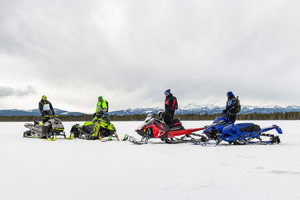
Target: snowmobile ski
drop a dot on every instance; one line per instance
(70, 137)
(51, 139)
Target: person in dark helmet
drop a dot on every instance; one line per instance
(232, 107)
(171, 105)
(101, 108)
(46, 109)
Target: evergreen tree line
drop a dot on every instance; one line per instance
(141, 117)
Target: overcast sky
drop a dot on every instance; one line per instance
(131, 51)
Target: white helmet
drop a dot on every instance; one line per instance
(161, 114)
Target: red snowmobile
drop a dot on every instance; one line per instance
(172, 134)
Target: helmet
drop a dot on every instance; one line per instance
(44, 97)
(168, 92)
(230, 94)
(100, 98)
(161, 114)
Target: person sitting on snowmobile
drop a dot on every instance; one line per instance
(46, 109)
(101, 108)
(171, 105)
(232, 107)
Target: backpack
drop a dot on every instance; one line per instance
(107, 105)
(238, 103)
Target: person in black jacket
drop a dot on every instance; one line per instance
(232, 107)
(170, 106)
(46, 109)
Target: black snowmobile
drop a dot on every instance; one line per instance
(48, 130)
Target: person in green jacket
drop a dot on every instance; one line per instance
(101, 108)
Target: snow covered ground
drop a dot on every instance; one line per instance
(35, 169)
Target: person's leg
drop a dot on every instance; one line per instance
(232, 118)
(168, 118)
(172, 115)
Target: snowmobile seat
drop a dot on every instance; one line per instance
(176, 125)
(247, 127)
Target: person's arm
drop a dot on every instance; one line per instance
(41, 108)
(234, 106)
(104, 106)
(51, 108)
(96, 109)
(171, 101)
(226, 108)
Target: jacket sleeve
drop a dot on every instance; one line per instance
(96, 108)
(104, 106)
(41, 107)
(233, 107)
(227, 108)
(51, 107)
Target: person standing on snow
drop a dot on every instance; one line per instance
(171, 105)
(101, 108)
(232, 107)
(46, 109)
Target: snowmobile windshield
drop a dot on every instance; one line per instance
(146, 123)
(220, 120)
(148, 118)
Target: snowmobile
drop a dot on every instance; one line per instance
(101, 129)
(52, 128)
(223, 129)
(171, 134)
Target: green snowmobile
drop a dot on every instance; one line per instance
(99, 129)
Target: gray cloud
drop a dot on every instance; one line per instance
(131, 51)
(12, 92)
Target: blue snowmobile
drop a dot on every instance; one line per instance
(243, 133)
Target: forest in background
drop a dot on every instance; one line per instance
(141, 117)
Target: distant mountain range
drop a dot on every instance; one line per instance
(188, 109)
(34, 112)
(210, 109)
